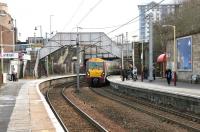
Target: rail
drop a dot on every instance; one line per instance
(54, 82)
(90, 119)
(152, 112)
(55, 113)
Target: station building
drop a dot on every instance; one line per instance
(8, 37)
(7, 29)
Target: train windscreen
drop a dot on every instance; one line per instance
(96, 65)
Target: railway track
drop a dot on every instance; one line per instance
(187, 121)
(70, 116)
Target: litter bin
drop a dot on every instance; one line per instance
(4, 77)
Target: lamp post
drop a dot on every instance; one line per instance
(49, 50)
(78, 60)
(50, 25)
(122, 57)
(40, 29)
(122, 52)
(175, 64)
(127, 48)
(37, 52)
(142, 63)
(133, 53)
(150, 78)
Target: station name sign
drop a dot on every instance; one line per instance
(11, 55)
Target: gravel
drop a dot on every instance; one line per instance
(117, 117)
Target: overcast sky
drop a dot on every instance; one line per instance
(68, 14)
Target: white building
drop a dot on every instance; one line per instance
(157, 11)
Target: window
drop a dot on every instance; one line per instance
(2, 12)
(96, 65)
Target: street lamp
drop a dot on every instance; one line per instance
(40, 29)
(175, 67)
(50, 25)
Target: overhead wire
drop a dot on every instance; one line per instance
(128, 22)
(102, 27)
(74, 14)
(120, 26)
(91, 9)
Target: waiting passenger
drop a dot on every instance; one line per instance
(168, 75)
(134, 72)
(13, 75)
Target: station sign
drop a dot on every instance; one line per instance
(8, 55)
(12, 55)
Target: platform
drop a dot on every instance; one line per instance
(23, 108)
(160, 84)
(184, 97)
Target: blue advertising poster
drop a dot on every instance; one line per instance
(184, 51)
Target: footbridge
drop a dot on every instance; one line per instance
(94, 44)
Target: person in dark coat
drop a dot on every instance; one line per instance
(145, 73)
(123, 74)
(168, 75)
(154, 72)
(13, 75)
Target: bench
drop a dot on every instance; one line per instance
(195, 78)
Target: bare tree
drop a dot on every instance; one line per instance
(186, 18)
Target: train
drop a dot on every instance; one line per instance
(98, 69)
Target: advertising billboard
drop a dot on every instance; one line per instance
(184, 54)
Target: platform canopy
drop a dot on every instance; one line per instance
(161, 58)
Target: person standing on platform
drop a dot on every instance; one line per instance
(134, 72)
(168, 75)
(145, 72)
(123, 74)
(154, 72)
(13, 74)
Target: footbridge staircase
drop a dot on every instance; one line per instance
(61, 48)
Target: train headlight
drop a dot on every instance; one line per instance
(102, 74)
(88, 73)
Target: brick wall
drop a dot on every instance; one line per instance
(7, 39)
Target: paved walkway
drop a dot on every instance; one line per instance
(24, 109)
(185, 89)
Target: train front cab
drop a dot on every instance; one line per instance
(96, 76)
(95, 80)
